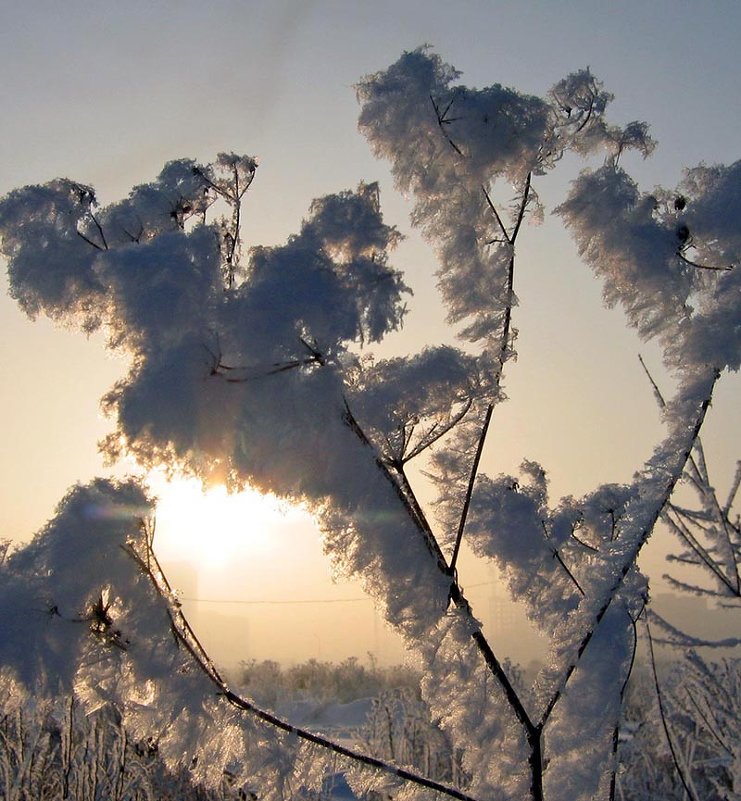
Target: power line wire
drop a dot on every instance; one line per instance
(261, 601)
(254, 602)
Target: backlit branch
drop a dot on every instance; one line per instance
(185, 635)
(630, 557)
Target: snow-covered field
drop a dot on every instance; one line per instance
(341, 722)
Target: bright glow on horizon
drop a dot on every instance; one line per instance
(211, 526)
(254, 581)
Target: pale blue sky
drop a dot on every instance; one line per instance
(106, 93)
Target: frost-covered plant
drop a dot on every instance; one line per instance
(244, 371)
(51, 749)
(399, 729)
(683, 743)
(703, 715)
(709, 532)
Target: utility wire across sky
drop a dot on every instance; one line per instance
(251, 602)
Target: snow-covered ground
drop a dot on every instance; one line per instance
(334, 719)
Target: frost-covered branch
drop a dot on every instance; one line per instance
(186, 636)
(473, 628)
(713, 539)
(657, 490)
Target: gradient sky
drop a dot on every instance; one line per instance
(107, 93)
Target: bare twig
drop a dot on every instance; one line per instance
(616, 730)
(443, 119)
(582, 543)
(494, 211)
(89, 241)
(469, 488)
(218, 368)
(523, 207)
(441, 432)
(698, 266)
(557, 556)
(100, 230)
(664, 721)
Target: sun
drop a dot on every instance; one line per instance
(210, 527)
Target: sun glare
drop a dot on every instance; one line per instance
(210, 527)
